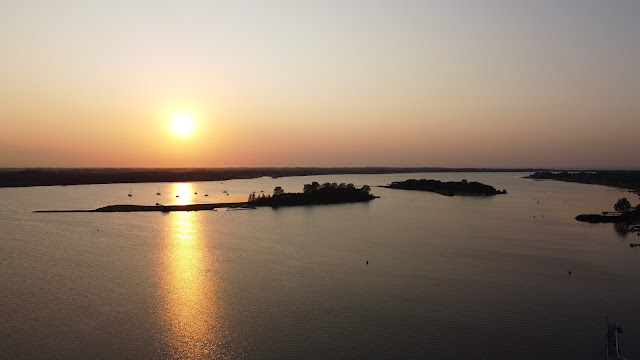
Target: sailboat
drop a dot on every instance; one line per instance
(130, 194)
(158, 193)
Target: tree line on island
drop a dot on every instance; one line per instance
(448, 188)
(313, 194)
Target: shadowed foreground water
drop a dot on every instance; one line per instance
(448, 277)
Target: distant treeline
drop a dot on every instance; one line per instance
(615, 178)
(66, 176)
(314, 194)
(449, 188)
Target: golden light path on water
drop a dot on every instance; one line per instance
(188, 285)
(184, 193)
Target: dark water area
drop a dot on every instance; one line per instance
(447, 277)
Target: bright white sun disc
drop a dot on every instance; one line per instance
(182, 125)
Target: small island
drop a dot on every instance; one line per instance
(313, 194)
(449, 188)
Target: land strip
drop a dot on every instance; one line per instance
(86, 176)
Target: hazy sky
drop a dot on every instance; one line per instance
(320, 83)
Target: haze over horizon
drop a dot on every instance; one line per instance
(496, 84)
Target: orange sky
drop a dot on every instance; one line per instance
(287, 83)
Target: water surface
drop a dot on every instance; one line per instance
(448, 277)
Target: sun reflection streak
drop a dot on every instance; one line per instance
(184, 193)
(188, 289)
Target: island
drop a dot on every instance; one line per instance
(449, 188)
(624, 179)
(313, 194)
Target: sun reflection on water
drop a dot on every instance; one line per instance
(184, 193)
(188, 288)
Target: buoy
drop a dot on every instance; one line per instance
(367, 262)
(569, 272)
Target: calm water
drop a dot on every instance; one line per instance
(448, 277)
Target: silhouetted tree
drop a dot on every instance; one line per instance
(623, 205)
(278, 191)
(366, 188)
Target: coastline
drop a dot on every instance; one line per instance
(89, 176)
(620, 179)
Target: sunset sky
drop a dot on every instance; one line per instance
(320, 83)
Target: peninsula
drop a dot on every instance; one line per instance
(623, 213)
(449, 188)
(313, 194)
(624, 179)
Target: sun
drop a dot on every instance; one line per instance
(183, 125)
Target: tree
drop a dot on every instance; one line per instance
(278, 191)
(366, 188)
(623, 205)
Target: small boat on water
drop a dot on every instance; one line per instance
(130, 194)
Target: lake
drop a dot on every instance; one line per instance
(447, 277)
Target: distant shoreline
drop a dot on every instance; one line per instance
(91, 176)
(621, 179)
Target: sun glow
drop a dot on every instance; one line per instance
(183, 124)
